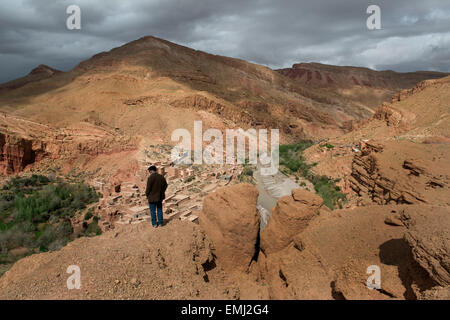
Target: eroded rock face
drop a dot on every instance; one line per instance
(24, 143)
(231, 220)
(402, 173)
(290, 217)
(16, 153)
(390, 116)
(428, 236)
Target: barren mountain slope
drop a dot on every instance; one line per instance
(135, 81)
(361, 86)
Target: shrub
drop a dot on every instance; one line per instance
(93, 228)
(60, 232)
(31, 207)
(88, 214)
(189, 179)
(328, 146)
(330, 194)
(15, 238)
(18, 183)
(291, 157)
(56, 199)
(247, 171)
(57, 244)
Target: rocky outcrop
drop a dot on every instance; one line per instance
(24, 143)
(17, 152)
(231, 220)
(389, 115)
(401, 173)
(428, 236)
(290, 217)
(221, 108)
(329, 259)
(131, 262)
(418, 87)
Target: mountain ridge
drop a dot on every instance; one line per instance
(145, 89)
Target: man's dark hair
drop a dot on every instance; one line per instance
(152, 168)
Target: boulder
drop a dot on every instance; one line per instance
(230, 219)
(290, 216)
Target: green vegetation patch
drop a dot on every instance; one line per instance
(189, 179)
(93, 229)
(246, 175)
(35, 214)
(328, 146)
(293, 162)
(330, 193)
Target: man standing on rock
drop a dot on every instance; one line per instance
(155, 192)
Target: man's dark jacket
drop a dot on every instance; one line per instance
(156, 188)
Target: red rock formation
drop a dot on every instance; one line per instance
(346, 77)
(290, 216)
(329, 258)
(16, 153)
(355, 82)
(402, 172)
(231, 220)
(429, 238)
(24, 143)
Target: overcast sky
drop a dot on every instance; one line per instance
(415, 34)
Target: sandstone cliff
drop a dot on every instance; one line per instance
(16, 153)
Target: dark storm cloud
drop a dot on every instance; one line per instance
(415, 34)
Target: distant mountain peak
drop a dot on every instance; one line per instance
(44, 69)
(39, 73)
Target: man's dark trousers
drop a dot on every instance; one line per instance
(154, 206)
